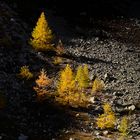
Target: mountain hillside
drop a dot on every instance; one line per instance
(109, 47)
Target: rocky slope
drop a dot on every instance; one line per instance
(111, 50)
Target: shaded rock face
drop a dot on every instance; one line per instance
(102, 7)
(88, 8)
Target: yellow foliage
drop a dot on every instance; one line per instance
(82, 77)
(108, 119)
(86, 72)
(123, 138)
(107, 108)
(60, 48)
(68, 93)
(74, 99)
(57, 60)
(66, 81)
(124, 126)
(43, 81)
(98, 85)
(25, 73)
(42, 35)
(78, 74)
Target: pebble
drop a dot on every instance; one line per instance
(132, 107)
(71, 139)
(138, 105)
(97, 133)
(77, 115)
(12, 19)
(22, 137)
(92, 100)
(105, 132)
(97, 38)
(118, 93)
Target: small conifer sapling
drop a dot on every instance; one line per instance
(107, 119)
(66, 81)
(82, 77)
(25, 73)
(42, 85)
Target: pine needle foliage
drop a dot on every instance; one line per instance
(86, 72)
(124, 126)
(107, 108)
(98, 85)
(25, 73)
(43, 81)
(57, 60)
(82, 77)
(60, 48)
(42, 86)
(108, 119)
(66, 81)
(42, 35)
(74, 99)
(68, 94)
(78, 75)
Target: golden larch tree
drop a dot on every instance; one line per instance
(82, 77)
(124, 126)
(43, 81)
(66, 81)
(107, 119)
(42, 35)
(67, 90)
(86, 74)
(98, 85)
(60, 48)
(25, 73)
(42, 86)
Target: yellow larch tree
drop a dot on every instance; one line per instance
(86, 75)
(42, 85)
(25, 73)
(43, 80)
(60, 48)
(124, 126)
(68, 92)
(107, 119)
(82, 77)
(66, 81)
(98, 85)
(42, 35)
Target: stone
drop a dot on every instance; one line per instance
(77, 115)
(97, 38)
(137, 105)
(22, 137)
(105, 132)
(132, 107)
(71, 139)
(12, 19)
(92, 100)
(117, 93)
(109, 78)
(119, 109)
(97, 133)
